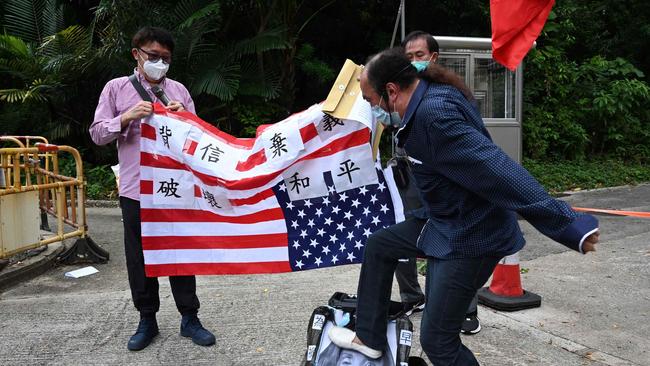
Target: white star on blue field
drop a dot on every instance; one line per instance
(332, 230)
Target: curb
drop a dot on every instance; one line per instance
(604, 189)
(116, 203)
(102, 203)
(31, 267)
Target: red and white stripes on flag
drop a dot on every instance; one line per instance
(207, 198)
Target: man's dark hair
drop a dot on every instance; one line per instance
(392, 66)
(153, 34)
(432, 44)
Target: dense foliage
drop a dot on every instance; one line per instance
(255, 61)
(589, 103)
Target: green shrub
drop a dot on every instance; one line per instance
(596, 107)
(576, 108)
(253, 114)
(100, 180)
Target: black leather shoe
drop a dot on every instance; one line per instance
(147, 330)
(191, 327)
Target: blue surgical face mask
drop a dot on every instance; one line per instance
(420, 65)
(381, 115)
(384, 117)
(395, 119)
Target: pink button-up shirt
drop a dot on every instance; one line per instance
(119, 96)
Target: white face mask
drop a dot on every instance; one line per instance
(155, 70)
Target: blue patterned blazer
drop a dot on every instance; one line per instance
(472, 188)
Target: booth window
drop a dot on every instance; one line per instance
(494, 89)
(456, 63)
(493, 85)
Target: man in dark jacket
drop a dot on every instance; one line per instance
(473, 192)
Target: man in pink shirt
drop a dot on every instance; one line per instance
(117, 117)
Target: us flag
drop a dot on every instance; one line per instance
(332, 230)
(304, 194)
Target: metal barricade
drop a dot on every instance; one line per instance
(32, 181)
(29, 141)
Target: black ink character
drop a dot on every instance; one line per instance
(215, 153)
(297, 183)
(165, 133)
(169, 188)
(330, 122)
(278, 144)
(347, 167)
(210, 198)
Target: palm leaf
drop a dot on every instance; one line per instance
(267, 88)
(254, 83)
(188, 12)
(73, 40)
(271, 39)
(59, 130)
(191, 40)
(11, 46)
(52, 17)
(56, 63)
(12, 95)
(32, 20)
(22, 19)
(221, 81)
(39, 90)
(17, 60)
(20, 68)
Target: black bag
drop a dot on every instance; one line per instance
(341, 311)
(403, 177)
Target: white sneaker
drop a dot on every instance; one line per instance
(343, 338)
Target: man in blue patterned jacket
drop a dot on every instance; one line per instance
(473, 192)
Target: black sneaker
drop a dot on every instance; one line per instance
(413, 307)
(471, 324)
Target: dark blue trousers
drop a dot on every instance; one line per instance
(451, 286)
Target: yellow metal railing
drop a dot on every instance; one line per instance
(28, 168)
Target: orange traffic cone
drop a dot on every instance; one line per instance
(505, 292)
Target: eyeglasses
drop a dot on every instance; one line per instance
(154, 57)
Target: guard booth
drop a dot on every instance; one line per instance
(497, 90)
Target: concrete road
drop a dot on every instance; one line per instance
(595, 308)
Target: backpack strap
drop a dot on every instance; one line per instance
(139, 88)
(404, 334)
(319, 318)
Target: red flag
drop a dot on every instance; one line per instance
(516, 24)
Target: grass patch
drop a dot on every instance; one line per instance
(562, 176)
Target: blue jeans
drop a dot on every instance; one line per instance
(451, 286)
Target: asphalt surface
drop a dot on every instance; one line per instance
(595, 308)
